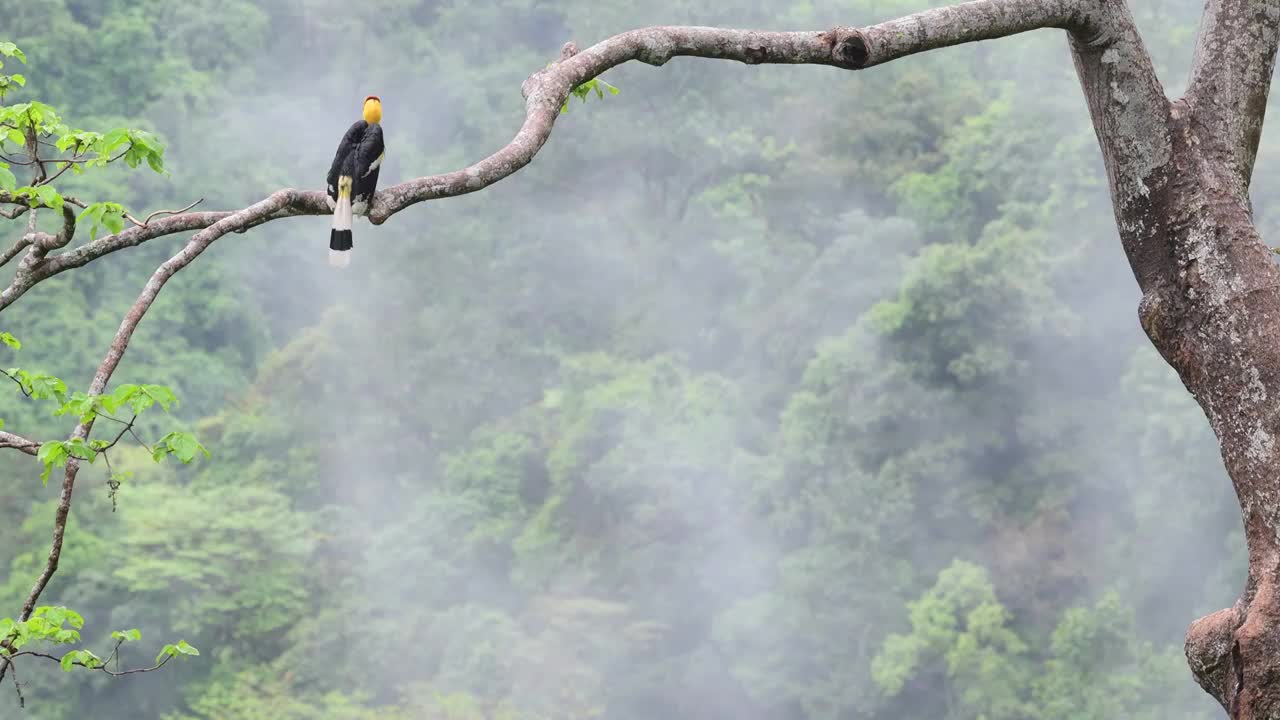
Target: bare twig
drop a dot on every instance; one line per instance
(102, 667)
(128, 428)
(17, 686)
(78, 160)
(115, 655)
(158, 213)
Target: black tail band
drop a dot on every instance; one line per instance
(340, 240)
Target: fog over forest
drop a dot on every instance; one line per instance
(764, 392)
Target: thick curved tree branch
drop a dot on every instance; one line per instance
(1231, 78)
(545, 91)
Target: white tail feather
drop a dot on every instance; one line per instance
(342, 213)
(339, 258)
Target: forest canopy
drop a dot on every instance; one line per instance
(764, 392)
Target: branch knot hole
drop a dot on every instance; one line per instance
(848, 47)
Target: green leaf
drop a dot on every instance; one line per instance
(49, 196)
(113, 140)
(126, 635)
(55, 615)
(83, 657)
(52, 454)
(8, 49)
(10, 340)
(81, 405)
(184, 446)
(113, 219)
(162, 395)
(166, 651)
(78, 448)
(103, 214)
(16, 137)
(21, 80)
(583, 91)
(141, 397)
(8, 181)
(47, 386)
(187, 649)
(120, 396)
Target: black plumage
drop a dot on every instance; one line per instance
(353, 178)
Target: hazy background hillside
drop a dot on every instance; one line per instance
(764, 392)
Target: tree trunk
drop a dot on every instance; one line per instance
(1179, 174)
(1214, 314)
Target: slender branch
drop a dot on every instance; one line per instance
(102, 667)
(13, 214)
(115, 655)
(17, 686)
(19, 443)
(78, 160)
(128, 428)
(14, 250)
(158, 213)
(199, 242)
(58, 174)
(1231, 78)
(17, 382)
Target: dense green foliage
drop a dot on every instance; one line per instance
(764, 392)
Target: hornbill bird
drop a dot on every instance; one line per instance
(353, 178)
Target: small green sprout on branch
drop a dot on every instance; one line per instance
(583, 91)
